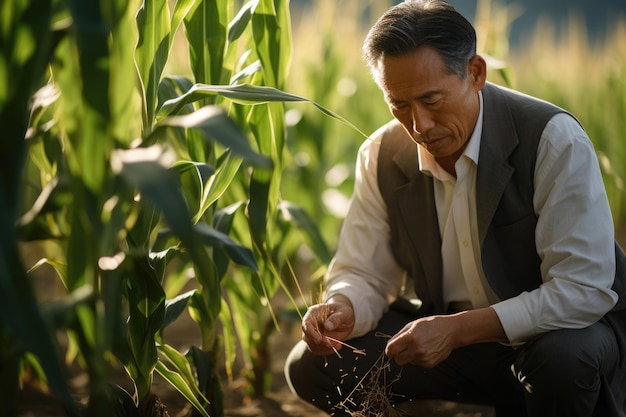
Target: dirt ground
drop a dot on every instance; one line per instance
(279, 402)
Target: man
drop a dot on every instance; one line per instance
(491, 204)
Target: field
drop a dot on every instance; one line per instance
(169, 219)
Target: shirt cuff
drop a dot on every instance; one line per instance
(516, 319)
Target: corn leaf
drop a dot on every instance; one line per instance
(159, 186)
(215, 124)
(153, 21)
(239, 254)
(243, 94)
(174, 308)
(146, 303)
(176, 381)
(238, 25)
(227, 167)
(90, 138)
(272, 38)
(203, 170)
(181, 9)
(295, 214)
(205, 26)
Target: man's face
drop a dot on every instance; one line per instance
(438, 109)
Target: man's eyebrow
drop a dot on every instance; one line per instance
(393, 100)
(428, 94)
(425, 96)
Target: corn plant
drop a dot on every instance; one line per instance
(598, 102)
(128, 177)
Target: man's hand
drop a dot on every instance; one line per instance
(424, 342)
(428, 341)
(325, 324)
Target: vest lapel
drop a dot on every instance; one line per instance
(419, 215)
(497, 142)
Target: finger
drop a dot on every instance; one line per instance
(311, 327)
(319, 348)
(401, 358)
(397, 344)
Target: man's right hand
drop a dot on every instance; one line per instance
(324, 325)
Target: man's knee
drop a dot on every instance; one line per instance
(298, 370)
(309, 379)
(576, 356)
(565, 368)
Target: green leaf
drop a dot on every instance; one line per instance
(22, 317)
(222, 222)
(207, 376)
(59, 313)
(124, 121)
(227, 167)
(237, 26)
(153, 47)
(91, 138)
(205, 28)
(173, 87)
(123, 403)
(243, 94)
(140, 168)
(204, 171)
(176, 381)
(267, 124)
(295, 214)
(26, 44)
(230, 345)
(181, 10)
(146, 303)
(239, 254)
(272, 38)
(174, 307)
(246, 72)
(215, 124)
(205, 312)
(34, 225)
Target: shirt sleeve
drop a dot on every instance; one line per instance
(363, 268)
(574, 238)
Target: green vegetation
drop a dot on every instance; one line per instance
(588, 81)
(131, 182)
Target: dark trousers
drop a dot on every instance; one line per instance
(564, 373)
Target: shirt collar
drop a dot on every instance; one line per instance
(429, 166)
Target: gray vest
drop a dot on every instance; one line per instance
(512, 127)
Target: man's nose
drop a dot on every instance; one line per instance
(422, 120)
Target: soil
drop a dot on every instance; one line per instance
(278, 402)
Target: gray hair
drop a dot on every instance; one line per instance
(413, 24)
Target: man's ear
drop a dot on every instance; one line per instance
(477, 70)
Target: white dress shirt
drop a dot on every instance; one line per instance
(455, 200)
(574, 238)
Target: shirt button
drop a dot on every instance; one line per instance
(475, 290)
(465, 242)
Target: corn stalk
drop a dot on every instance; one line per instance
(129, 176)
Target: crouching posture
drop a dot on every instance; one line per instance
(490, 205)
